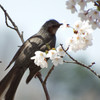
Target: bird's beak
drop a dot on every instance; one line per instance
(60, 24)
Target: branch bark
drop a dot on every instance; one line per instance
(43, 85)
(79, 63)
(48, 74)
(7, 17)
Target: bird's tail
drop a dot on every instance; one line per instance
(9, 84)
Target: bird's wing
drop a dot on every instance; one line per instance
(15, 57)
(36, 68)
(33, 69)
(32, 41)
(49, 45)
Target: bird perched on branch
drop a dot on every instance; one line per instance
(22, 61)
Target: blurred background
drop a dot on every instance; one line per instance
(67, 81)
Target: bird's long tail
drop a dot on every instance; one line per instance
(10, 82)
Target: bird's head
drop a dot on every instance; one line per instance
(52, 26)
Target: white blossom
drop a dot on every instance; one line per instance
(71, 5)
(95, 24)
(86, 12)
(56, 55)
(39, 59)
(83, 15)
(82, 39)
(60, 51)
(83, 27)
(57, 60)
(82, 4)
(94, 14)
(52, 54)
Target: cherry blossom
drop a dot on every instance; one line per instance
(39, 59)
(82, 38)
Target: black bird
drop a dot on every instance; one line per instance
(39, 41)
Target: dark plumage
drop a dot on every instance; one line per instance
(39, 41)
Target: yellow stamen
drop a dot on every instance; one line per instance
(41, 54)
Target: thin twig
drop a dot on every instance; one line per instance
(43, 85)
(79, 63)
(7, 22)
(69, 62)
(52, 68)
(12, 22)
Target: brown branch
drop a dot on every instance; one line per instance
(48, 74)
(7, 17)
(69, 62)
(79, 63)
(43, 85)
(12, 22)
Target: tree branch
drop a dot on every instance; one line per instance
(12, 22)
(79, 63)
(48, 74)
(43, 85)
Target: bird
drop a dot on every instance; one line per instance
(38, 42)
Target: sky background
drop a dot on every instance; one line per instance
(29, 16)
